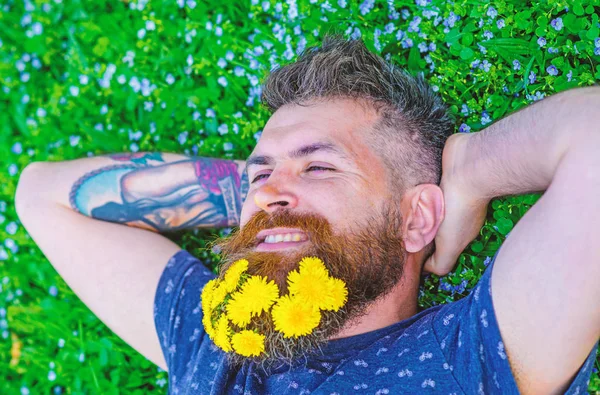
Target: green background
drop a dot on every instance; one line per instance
(85, 78)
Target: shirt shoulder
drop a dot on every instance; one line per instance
(177, 309)
(470, 339)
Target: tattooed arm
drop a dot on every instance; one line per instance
(161, 192)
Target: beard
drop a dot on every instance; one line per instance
(369, 258)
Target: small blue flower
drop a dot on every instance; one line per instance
(422, 47)
(432, 47)
(486, 66)
(552, 50)
(557, 24)
(532, 77)
(487, 261)
(500, 23)
(464, 110)
(53, 290)
(464, 128)
(541, 41)
(597, 51)
(552, 70)
(491, 12)
(516, 65)
(17, 148)
(488, 34)
(569, 75)
(485, 118)
(597, 42)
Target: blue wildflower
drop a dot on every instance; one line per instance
(366, 6)
(389, 28)
(552, 50)
(464, 110)
(17, 148)
(432, 47)
(492, 13)
(597, 42)
(557, 24)
(552, 70)
(451, 20)
(516, 65)
(569, 75)
(487, 261)
(532, 77)
(408, 43)
(464, 128)
(485, 118)
(53, 290)
(485, 66)
(500, 23)
(413, 26)
(488, 34)
(597, 51)
(422, 47)
(541, 41)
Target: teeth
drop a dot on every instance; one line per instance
(283, 238)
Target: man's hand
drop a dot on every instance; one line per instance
(465, 211)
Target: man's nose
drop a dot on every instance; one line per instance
(272, 196)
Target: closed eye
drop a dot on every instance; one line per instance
(319, 168)
(311, 168)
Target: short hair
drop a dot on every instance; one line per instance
(413, 123)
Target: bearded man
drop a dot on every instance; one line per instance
(357, 171)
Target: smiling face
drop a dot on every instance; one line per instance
(314, 160)
(317, 189)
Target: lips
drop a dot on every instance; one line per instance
(280, 238)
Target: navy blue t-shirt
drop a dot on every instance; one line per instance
(455, 348)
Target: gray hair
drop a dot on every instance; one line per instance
(413, 122)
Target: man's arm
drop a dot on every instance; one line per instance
(161, 192)
(73, 211)
(545, 279)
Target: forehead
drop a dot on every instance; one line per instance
(340, 122)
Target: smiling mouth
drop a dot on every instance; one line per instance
(277, 239)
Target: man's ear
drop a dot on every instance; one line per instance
(423, 212)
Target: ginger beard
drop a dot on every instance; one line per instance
(370, 260)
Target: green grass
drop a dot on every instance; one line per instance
(71, 87)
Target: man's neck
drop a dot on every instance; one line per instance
(398, 305)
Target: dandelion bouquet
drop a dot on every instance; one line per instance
(234, 306)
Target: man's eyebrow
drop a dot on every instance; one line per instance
(297, 153)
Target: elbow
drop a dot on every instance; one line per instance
(25, 186)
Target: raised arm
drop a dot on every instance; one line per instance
(75, 211)
(161, 192)
(544, 282)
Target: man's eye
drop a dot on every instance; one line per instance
(319, 168)
(259, 177)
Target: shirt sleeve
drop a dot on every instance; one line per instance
(177, 309)
(470, 339)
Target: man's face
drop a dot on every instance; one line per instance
(313, 160)
(316, 189)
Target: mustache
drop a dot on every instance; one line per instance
(313, 225)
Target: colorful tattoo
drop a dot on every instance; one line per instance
(199, 192)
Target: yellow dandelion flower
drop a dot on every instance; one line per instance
(310, 287)
(222, 334)
(248, 343)
(233, 274)
(208, 327)
(218, 296)
(336, 295)
(207, 295)
(258, 294)
(314, 266)
(293, 317)
(238, 310)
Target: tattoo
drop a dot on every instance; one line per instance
(195, 192)
(138, 157)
